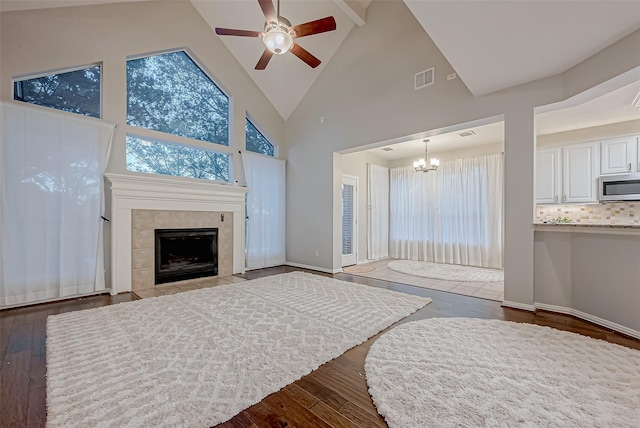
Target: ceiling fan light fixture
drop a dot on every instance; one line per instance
(277, 38)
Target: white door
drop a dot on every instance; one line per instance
(618, 156)
(548, 176)
(580, 166)
(349, 220)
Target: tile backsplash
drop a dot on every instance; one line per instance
(605, 213)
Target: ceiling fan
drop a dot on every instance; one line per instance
(278, 35)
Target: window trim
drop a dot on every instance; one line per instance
(30, 76)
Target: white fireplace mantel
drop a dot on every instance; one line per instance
(151, 192)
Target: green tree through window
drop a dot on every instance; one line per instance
(73, 91)
(169, 93)
(147, 155)
(256, 142)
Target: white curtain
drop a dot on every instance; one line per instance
(378, 212)
(265, 177)
(452, 215)
(53, 165)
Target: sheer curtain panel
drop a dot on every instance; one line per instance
(53, 165)
(266, 210)
(451, 215)
(378, 211)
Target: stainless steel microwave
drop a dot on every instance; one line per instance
(620, 187)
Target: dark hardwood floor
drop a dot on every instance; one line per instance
(335, 395)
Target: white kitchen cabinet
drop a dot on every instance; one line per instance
(548, 175)
(619, 155)
(580, 171)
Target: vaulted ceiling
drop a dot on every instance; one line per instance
(492, 45)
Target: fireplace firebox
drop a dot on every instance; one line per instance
(185, 254)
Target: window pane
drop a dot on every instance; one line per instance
(256, 141)
(75, 91)
(170, 93)
(347, 219)
(146, 155)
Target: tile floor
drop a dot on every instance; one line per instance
(483, 290)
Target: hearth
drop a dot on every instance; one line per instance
(185, 254)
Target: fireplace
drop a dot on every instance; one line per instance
(185, 254)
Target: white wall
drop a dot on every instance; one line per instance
(356, 164)
(35, 41)
(366, 95)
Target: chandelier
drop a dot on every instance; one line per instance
(421, 164)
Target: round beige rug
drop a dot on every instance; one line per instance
(446, 271)
(358, 269)
(465, 372)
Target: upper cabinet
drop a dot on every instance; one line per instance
(569, 174)
(580, 173)
(548, 176)
(619, 156)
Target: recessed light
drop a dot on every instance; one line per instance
(467, 133)
(388, 149)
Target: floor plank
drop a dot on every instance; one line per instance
(14, 389)
(37, 410)
(294, 413)
(332, 417)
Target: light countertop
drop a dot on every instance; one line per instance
(621, 229)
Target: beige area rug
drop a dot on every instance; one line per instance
(358, 269)
(454, 372)
(196, 359)
(446, 271)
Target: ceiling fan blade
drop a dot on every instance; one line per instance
(264, 59)
(314, 27)
(233, 32)
(304, 55)
(268, 10)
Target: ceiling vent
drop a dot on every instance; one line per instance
(424, 78)
(467, 134)
(387, 149)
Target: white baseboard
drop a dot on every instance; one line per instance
(588, 317)
(325, 270)
(516, 305)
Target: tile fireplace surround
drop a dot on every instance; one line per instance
(141, 203)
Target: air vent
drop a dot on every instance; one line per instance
(387, 149)
(424, 78)
(467, 134)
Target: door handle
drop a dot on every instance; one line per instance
(629, 166)
(555, 199)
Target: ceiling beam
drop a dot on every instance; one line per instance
(354, 9)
